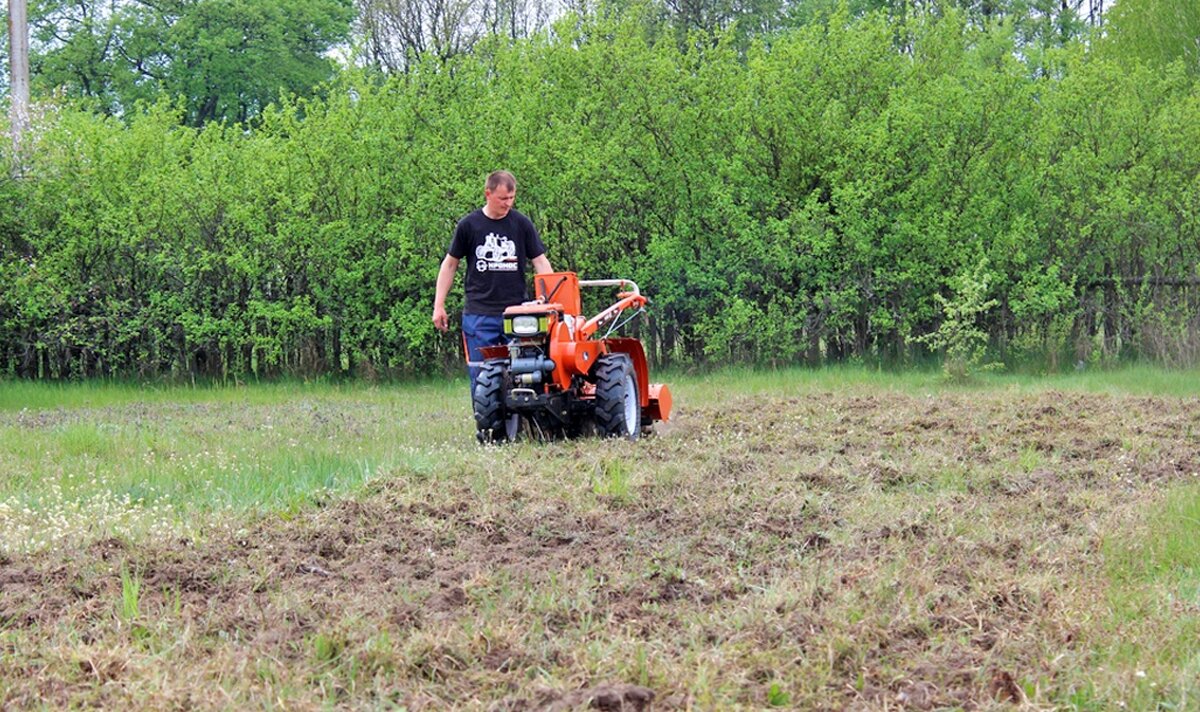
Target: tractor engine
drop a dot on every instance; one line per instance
(529, 348)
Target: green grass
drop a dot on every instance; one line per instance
(276, 446)
(131, 588)
(32, 395)
(1167, 550)
(789, 382)
(114, 459)
(612, 480)
(696, 387)
(1154, 604)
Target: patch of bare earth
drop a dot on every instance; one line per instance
(830, 552)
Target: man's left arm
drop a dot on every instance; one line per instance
(534, 246)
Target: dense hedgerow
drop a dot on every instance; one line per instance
(806, 200)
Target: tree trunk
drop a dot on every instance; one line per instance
(18, 41)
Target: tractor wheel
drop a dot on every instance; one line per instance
(491, 417)
(618, 410)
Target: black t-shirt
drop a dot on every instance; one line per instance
(496, 253)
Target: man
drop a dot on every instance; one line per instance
(497, 242)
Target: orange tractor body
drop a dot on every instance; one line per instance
(559, 376)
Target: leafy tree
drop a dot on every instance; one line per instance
(1156, 31)
(224, 59)
(73, 47)
(398, 31)
(1036, 24)
(961, 337)
(395, 33)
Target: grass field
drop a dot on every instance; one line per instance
(838, 539)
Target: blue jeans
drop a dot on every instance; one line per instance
(480, 330)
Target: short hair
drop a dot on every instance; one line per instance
(501, 178)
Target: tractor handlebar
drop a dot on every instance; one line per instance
(611, 283)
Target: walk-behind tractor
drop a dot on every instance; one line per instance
(560, 378)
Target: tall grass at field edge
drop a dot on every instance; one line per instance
(1132, 379)
(48, 395)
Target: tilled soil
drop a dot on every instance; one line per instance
(827, 552)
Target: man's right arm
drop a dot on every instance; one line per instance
(445, 280)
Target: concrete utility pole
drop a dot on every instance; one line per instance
(18, 60)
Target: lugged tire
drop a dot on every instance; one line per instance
(488, 401)
(618, 411)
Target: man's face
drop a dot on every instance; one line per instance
(499, 201)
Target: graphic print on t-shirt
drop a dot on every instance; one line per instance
(496, 254)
